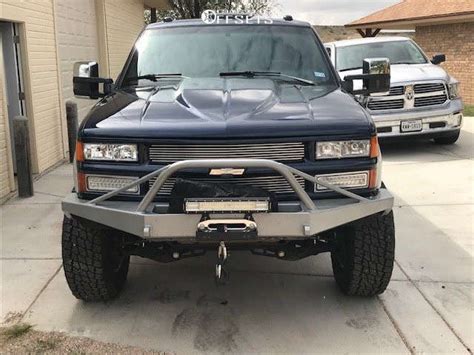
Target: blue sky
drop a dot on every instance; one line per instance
(330, 12)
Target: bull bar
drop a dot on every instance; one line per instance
(308, 219)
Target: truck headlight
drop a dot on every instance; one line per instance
(351, 180)
(110, 152)
(454, 91)
(343, 149)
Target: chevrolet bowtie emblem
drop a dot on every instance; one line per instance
(227, 171)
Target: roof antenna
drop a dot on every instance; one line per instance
(288, 18)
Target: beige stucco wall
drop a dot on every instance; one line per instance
(55, 34)
(77, 35)
(38, 43)
(5, 168)
(124, 20)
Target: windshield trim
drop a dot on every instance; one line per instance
(335, 79)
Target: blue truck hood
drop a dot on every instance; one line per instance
(226, 108)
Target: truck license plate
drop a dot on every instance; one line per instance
(411, 126)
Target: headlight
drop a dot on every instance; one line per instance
(342, 149)
(454, 91)
(110, 152)
(344, 180)
(110, 183)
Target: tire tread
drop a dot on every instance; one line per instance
(372, 244)
(84, 253)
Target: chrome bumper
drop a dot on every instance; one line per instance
(299, 219)
(389, 124)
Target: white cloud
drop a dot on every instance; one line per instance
(330, 12)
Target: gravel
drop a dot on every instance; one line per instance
(31, 341)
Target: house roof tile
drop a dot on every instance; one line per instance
(411, 10)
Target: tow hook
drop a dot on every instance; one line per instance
(221, 274)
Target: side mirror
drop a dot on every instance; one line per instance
(375, 78)
(86, 81)
(438, 59)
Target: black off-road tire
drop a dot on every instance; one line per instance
(94, 265)
(450, 138)
(364, 254)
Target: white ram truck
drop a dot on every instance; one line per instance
(424, 100)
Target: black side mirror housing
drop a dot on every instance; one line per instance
(375, 78)
(86, 81)
(438, 59)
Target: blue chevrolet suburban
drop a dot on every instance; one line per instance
(231, 135)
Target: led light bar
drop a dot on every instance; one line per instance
(101, 183)
(228, 205)
(353, 180)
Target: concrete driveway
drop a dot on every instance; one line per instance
(270, 305)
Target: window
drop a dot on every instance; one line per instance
(399, 52)
(206, 51)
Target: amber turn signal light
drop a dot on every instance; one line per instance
(374, 147)
(79, 151)
(81, 182)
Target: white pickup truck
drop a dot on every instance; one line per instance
(423, 101)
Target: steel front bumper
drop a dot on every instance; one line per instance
(298, 219)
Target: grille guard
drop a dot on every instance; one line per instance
(313, 218)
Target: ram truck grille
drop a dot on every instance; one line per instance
(282, 152)
(424, 95)
(275, 184)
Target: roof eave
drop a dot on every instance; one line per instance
(411, 23)
(157, 4)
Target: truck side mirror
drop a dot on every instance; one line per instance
(438, 59)
(86, 81)
(375, 78)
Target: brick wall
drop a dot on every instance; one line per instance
(457, 42)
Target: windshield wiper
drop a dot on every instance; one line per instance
(346, 69)
(404, 63)
(252, 74)
(156, 77)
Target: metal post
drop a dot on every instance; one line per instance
(71, 118)
(153, 17)
(22, 156)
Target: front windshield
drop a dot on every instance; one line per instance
(399, 52)
(207, 51)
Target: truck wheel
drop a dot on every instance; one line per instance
(450, 138)
(95, 267)
(363, 255)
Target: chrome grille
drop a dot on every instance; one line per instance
(430, 100)
(386, 104)
(396, 90)
(432, 87)
(276, 184)
(170, 153)
(426, 94)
